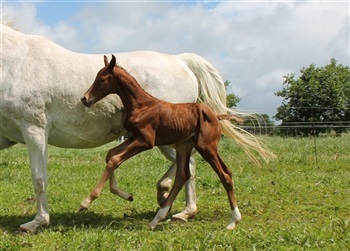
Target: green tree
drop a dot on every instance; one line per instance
(319, 96)
(231, 99)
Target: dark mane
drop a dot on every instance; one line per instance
(123, 69)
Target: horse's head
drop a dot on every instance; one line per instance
(102, 85)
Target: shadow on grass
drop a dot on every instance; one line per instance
(61, 222)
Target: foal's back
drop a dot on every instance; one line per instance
(179, 122)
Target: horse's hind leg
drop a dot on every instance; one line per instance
(210, 154)
(165, 183)
(113, 187)
(183, 155)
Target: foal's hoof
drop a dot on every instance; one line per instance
(130, 198)
(82, 208)
(231, 226)
(84, 205)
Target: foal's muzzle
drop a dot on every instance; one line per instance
(86, 102)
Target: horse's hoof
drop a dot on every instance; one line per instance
(184, 215)
(179, 218)
(31, 227)
(27, 229)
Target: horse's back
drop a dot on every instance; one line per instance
(162, 75)
(43, 82)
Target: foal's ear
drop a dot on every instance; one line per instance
(105, 60)
(112, 64)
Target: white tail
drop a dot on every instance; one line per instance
(213, 93)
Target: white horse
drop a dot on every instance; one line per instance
(41, 87)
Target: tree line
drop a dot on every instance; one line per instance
(315, 102)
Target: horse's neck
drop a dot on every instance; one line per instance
(131, 93)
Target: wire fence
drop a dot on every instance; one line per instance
(312, 127)
(288, 128)
(314, 121)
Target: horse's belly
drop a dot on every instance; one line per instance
(12, 133)
(74, 139)
(91, 129)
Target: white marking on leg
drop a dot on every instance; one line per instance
(236, 217)
(85, 204)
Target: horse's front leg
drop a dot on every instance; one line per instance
(36, 141)
(115, 157)
(165, 183)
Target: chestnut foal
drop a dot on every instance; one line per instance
(154, 122)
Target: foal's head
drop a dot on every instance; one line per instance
(103, 84)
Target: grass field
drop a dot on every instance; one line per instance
(293, 203)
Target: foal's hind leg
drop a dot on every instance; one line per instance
(210, 154)
(183, 154)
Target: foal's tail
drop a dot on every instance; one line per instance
(213, 93)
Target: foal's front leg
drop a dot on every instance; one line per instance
(95, 193)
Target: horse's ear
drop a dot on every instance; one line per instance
(112, 64)
(105, 60)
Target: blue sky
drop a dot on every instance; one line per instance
(53, 12)
(252, 43)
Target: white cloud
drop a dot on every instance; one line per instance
(272, 80)
(24, 16)
(252, 44)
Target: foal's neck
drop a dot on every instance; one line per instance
(130, 92)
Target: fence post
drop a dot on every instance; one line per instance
(314, 136)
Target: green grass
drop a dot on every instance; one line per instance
(293, 203)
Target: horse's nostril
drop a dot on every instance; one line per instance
(83, 99)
